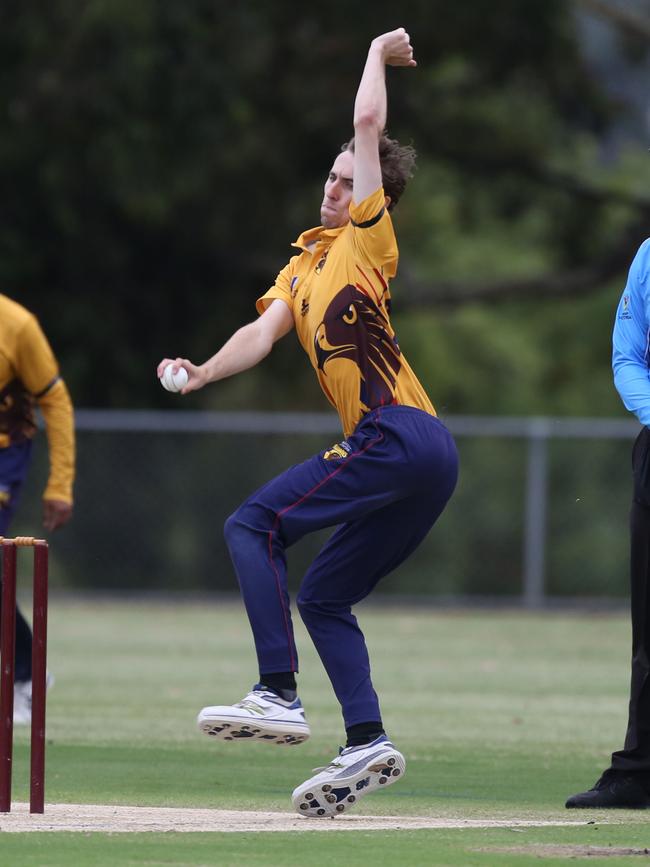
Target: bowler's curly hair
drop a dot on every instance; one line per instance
(397, 165)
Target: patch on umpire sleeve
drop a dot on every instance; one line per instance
(338, 450)
(5, 497)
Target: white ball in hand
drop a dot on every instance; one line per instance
(173, 381)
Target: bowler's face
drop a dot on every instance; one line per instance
(335, 209)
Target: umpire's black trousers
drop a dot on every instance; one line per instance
(635, 755)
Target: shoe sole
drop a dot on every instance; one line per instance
(326, 800)
(633, 805)
(233, 729)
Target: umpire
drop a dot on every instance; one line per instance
(626, 783)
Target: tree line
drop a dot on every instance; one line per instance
(157, 159)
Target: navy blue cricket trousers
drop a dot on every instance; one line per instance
(383, 498)
(14, 463)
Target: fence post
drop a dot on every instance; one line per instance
(534, 592)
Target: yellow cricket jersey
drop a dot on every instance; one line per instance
(29, 373)
(337, 290)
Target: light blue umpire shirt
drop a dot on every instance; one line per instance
(630, 357)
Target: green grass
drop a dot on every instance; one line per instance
(487, 848)
(499, 715)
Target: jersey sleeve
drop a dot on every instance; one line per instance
(58, 415)
(38, 371)
(630, 338)
(35, 362)
(374, 237)
(282, 288)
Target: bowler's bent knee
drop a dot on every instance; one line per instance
(248, 518)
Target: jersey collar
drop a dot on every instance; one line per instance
(318, 233)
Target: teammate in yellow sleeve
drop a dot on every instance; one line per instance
(29, 377)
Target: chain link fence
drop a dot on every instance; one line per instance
(540, 512)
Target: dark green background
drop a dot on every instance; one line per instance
(156, 159)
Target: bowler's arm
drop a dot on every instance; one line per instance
(370, 108)
(246, 348)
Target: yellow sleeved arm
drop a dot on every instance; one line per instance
(35, 362)
(281, 288)
(374, 236)
(58, 415)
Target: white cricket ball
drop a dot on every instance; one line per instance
(173, 381)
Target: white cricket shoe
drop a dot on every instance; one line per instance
(261, 715)
(23, 700)
(355, 772)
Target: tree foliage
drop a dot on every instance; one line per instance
(157, 158)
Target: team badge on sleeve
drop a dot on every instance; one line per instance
(338, 450)
(624, 308)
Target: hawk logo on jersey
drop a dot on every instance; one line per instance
(304, 307)
(321, 263)
(353, 327)
(16, 413)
